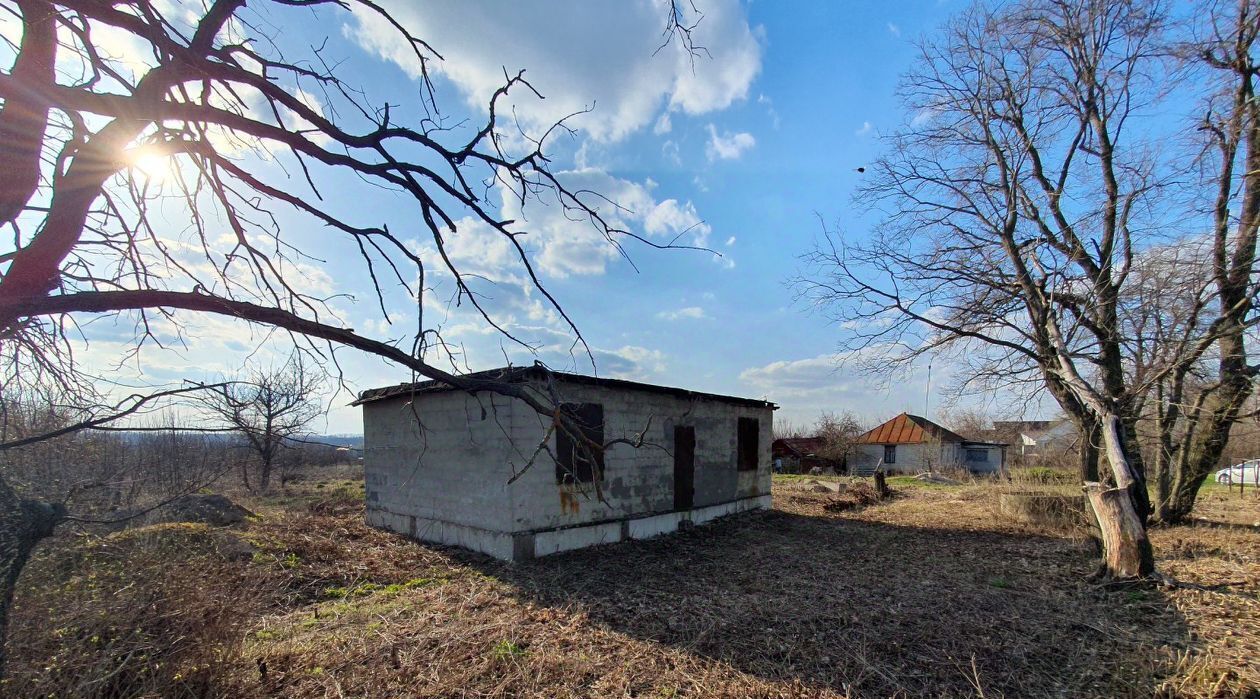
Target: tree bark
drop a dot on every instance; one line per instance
(1087, 450)
(264, 478)
(1201, 454)
(24, 121)
(1127, 551)
(1137, 465)
(23, 524)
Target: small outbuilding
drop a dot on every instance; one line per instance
(450, 467)
(802, 455)
(1039, 440)
(912, 444)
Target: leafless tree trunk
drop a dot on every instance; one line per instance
(268, 408)
(81, 239)
(1232, 122)
(1014, 202)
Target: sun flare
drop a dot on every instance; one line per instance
(150, 165)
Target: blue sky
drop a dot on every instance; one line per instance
(744, 150)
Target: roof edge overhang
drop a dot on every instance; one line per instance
(517, 375)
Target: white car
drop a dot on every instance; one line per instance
(1247, 472)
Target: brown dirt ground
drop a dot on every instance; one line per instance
(925, 595)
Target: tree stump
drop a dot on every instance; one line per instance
(1126, 549)
(881, 486)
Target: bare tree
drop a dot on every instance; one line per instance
(222, 99)
(971, 423)
(1205, 390)
(786, 429)
(269, 408)
(1013, 200)
(837, 431)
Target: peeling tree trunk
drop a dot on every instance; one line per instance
(1127, 551)
(23, 524)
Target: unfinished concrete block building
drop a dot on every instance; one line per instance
(448, 467)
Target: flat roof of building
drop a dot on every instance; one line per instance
(525, 373)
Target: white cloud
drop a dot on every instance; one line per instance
(669, 218)
(867, 129)
(671, 152)
(728, 146)
(796, 376)
(563, 246)
(803, 388)
(923, 116)
(630, 362)
(770, 110)
(591, 54)
(806, 387)
(663, 125)
(894, 30)
(296, 123)
(477, 249)
(688, 313)
(559, 244)
(730, 241)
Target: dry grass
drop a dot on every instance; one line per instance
(924, 595)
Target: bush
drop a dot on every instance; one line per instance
(1044, 475)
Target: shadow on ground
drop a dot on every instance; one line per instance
(869, 608)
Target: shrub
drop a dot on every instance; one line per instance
(863, 493)
(1043, 475)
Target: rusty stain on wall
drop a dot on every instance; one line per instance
(568, 502)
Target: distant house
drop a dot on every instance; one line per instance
(801, 454)
(1035, 439)
(912, 444)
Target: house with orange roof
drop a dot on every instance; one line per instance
(912, 444)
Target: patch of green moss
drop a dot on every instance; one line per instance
(368, 588)
(507, 650)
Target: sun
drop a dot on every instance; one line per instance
(150, 165)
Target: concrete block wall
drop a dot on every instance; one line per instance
(641, 481)
(440, 457)
(437, 467)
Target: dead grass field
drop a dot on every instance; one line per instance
(925, 595)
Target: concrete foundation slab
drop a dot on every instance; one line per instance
(560, 540)
(522, 546)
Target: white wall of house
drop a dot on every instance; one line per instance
(977, 458)
(917, 458)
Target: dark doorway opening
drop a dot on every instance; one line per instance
(684, 467)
